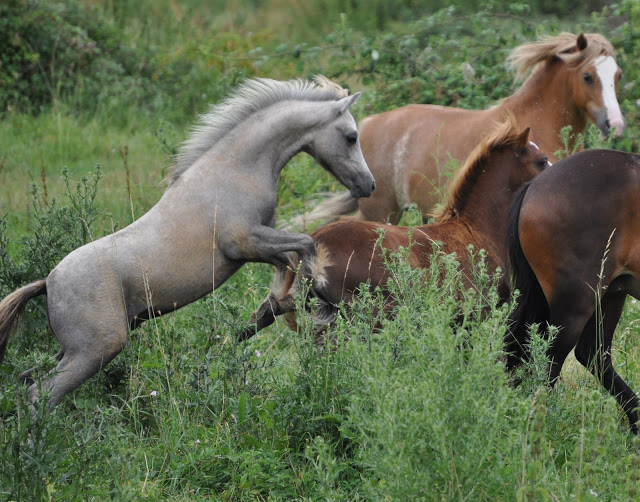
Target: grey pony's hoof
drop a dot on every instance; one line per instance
(247, 333)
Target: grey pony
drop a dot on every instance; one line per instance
(217, 213)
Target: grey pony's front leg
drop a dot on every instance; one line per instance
(268, 245)
(266, 314)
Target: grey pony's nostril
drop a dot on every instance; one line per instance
(607, 124)
(373, 186)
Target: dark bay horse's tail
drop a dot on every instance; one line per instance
(12, 305)
(532, 306)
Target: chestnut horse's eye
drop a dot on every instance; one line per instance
(543, 162)
(588, 78)
(352, 137)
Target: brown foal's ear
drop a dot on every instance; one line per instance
(523, 139)
(581, 42)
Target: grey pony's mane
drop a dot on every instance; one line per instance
(250, 97)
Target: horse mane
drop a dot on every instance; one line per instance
(250, 97)
(505, 135)
(563, 46)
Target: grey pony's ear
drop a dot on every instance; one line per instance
(345, 103)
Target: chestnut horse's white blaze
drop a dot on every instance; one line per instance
(609, 74)
(569, 80)
(538, 148)
(217, 214)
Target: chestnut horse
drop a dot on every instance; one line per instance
(349, 252)
(574, 248)
(217, 214)
(574, 80)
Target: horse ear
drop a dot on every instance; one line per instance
(581, 42)
(523, 139)
(345, 103)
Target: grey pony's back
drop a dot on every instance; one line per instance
(11, 307)
(327, 211)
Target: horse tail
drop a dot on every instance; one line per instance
(327, 211)
(11, 307)
(532, 306)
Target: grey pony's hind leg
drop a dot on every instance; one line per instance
(26, 377)
(73, 369)
(87, 345)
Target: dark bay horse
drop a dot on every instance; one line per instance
(217, 213)
(574, 248)
(574, 79)
(350, 253)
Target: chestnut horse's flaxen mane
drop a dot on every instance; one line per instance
(505, 135)
(563, 46)
(252, 96)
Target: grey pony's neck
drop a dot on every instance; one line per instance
(278, 133)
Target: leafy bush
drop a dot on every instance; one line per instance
(52, 50)
(73, 52)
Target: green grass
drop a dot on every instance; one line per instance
(420, 409)
(34, 150)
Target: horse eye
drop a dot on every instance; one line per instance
(588, 78)
(352, 137)
(543, 162)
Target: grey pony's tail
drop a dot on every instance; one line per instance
(327, 211)
(11, 307)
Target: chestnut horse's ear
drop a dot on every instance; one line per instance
(523, 139)
(581, 42)
(345, 103)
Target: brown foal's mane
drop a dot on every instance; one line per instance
(505, 135)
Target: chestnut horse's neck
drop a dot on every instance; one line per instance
(545, 103)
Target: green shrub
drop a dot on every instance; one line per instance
(54, 50)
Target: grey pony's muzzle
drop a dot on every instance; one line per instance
(363, 188)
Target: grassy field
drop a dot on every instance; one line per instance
(419, 410)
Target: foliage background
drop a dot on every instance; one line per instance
(95, 96)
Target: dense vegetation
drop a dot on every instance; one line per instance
(95, 96)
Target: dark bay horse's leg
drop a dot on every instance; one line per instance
(570, 312)
(594, 353)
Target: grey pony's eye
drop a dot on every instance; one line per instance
(352, 137)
